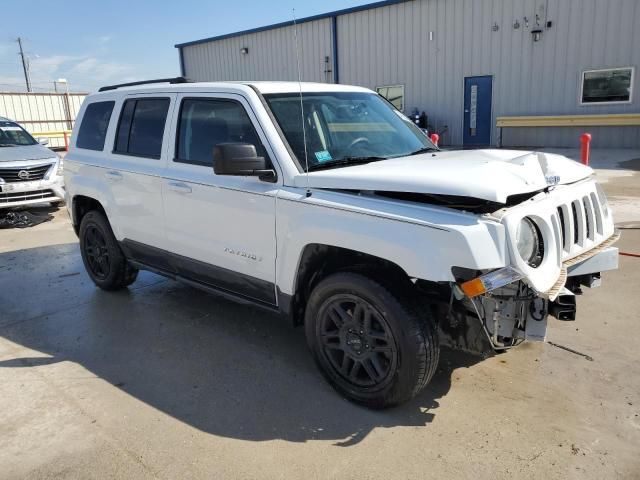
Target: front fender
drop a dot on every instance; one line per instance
(425, 241)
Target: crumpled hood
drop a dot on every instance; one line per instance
(491, 175)
(28, 152)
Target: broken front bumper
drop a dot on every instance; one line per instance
(602, 261)
(510, 311)
(603, 255)
(599, 259)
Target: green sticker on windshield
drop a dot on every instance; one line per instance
(323, 156)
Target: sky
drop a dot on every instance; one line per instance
(92, 43)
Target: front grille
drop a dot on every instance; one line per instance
(580, 224)
(563, 232)
(14, 197)
(36, 172)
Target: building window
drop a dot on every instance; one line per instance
(611, 85)
(393, 93)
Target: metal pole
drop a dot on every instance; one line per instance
(585, 140)
(25, 66)
(68, 106)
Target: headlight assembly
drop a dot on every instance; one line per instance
(529, 242)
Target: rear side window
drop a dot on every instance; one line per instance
(93, 128)
(204, 123)
(141, 127)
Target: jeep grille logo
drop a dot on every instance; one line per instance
(553, 180)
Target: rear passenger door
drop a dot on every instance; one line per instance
(220, 229)
(139, 157)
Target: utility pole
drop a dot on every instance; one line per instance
(67, 105)
(25, 65)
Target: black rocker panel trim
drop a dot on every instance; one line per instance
(177, 266)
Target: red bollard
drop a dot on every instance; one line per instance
(66, 141)
(585, 140)
(435, 138)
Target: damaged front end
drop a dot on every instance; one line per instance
(496, 310)
(558, 242)
(508, 314)
(503, 316)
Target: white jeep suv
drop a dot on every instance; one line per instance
(326, 204)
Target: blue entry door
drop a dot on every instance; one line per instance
(477, 111)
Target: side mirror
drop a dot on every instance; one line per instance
(43, 141)
(241, 159)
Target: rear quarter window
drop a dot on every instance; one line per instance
(93, 128)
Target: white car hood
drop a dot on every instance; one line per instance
(491, 175)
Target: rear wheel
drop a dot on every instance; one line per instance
(102, 257)
(376, 347)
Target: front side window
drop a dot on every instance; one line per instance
(93, 128)
(395, 95)
(607, 86)
(345, 128)
(141, 127)
(13, 135)
(204, 123)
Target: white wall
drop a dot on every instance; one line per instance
(272, 55)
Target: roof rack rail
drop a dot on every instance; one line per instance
(145, 82)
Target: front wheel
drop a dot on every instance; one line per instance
(376, 347)
(102, 257)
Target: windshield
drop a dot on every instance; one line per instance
(345, 128)
(12, 135)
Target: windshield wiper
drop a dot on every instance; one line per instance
(345, 162)
(8, 145)
(424, 150)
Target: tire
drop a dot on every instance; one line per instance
(350, 319)
(102, 256)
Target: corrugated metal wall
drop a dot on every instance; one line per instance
(41, 112)
(391, 45)
(272, 55)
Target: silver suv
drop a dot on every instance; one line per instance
(29, 172)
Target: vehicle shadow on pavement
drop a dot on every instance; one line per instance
(226, 369)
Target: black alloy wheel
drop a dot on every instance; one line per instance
(102, 256)
(373, 338)
(357, 341)
(97, 253)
